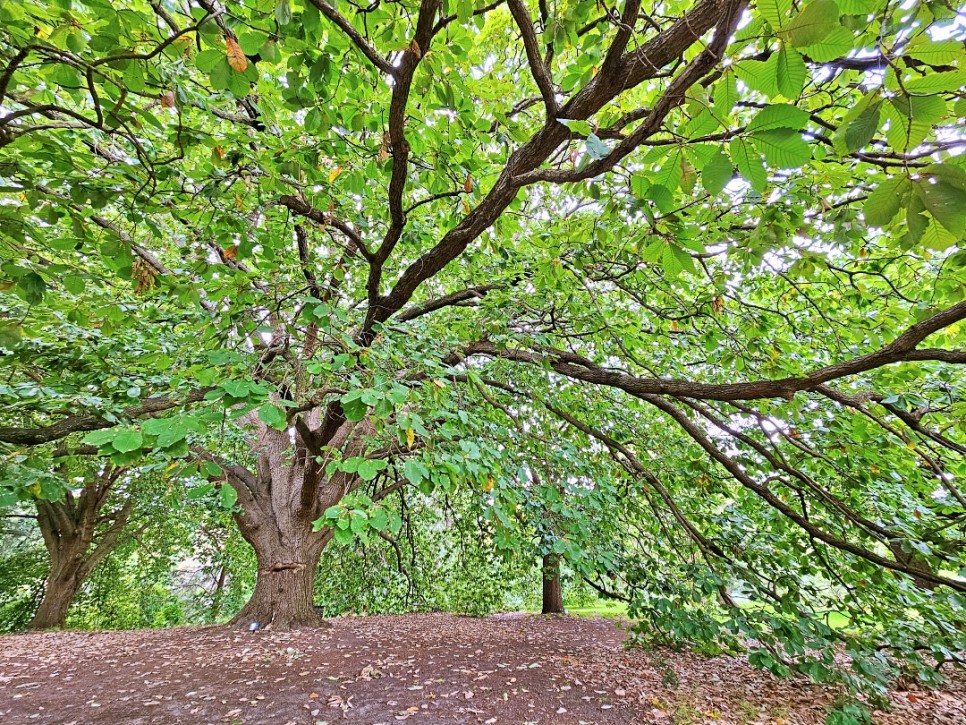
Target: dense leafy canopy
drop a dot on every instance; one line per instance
(677, 293)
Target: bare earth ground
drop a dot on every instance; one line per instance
(433, 668)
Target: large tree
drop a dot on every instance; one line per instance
(714, 244)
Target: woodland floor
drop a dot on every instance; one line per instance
(433, 668)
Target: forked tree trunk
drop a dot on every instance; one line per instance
(552, 592)
(278, 503)
(68, 528)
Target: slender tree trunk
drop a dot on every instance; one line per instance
(59, 591)
(552, 593)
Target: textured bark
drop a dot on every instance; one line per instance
(279, 502)
(59, 591)
(69, 528)
(552, 592)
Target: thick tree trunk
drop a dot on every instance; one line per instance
(552, 593)
(282, 598)
(278, 502)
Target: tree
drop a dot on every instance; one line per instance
(68, 527)
(716, 247)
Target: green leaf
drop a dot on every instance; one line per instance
(815, 22)
(221, 75)
(717, 173)
(596, 148)
(932, 52)
(779, 115)
(885, 201)
(127, 439)
(861, 130)
(370, 467)
(726, 93)
(581, 128)
(775, 12)
(283, 12)
(272, 416)
(790, 75)
(33, 286)
(946, 202)
(944, 82)
(837, 44)
(749, 164)
(100, 437)
(74, 283)
(206, 60)
(676, 260)
(379, 519)
(414, 471)
(783, 147)
(251, 42)
(227, 496)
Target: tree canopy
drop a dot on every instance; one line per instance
(675, 293)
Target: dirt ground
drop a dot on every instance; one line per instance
(433, 668)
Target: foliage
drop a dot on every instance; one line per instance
(680, 298)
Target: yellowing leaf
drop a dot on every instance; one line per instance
(236, 58)
(410, 436)
(335, 173)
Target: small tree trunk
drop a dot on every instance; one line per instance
(59, 592)
(552, 593)
(68, 528)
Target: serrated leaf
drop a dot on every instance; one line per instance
(937, 237)
(236, 58)
(945, 202)
(778, 115)
(813, 24)
(726, 93)
(717, 173)
(749, 164)
(206, 60)
(837, 44)
(885, 201)
(934, 52)
(775, 12)
(861, 130)
(947, 81)
(790, 74)
(783, 147)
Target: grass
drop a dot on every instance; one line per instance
(618, 610)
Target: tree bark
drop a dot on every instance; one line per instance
(552, 592)
(59, 592)
(68, 528)
(288, 557)
(278, 503)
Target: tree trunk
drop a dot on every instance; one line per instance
(552, 593)
(59, 591)
(287, 562)
(69, 528)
